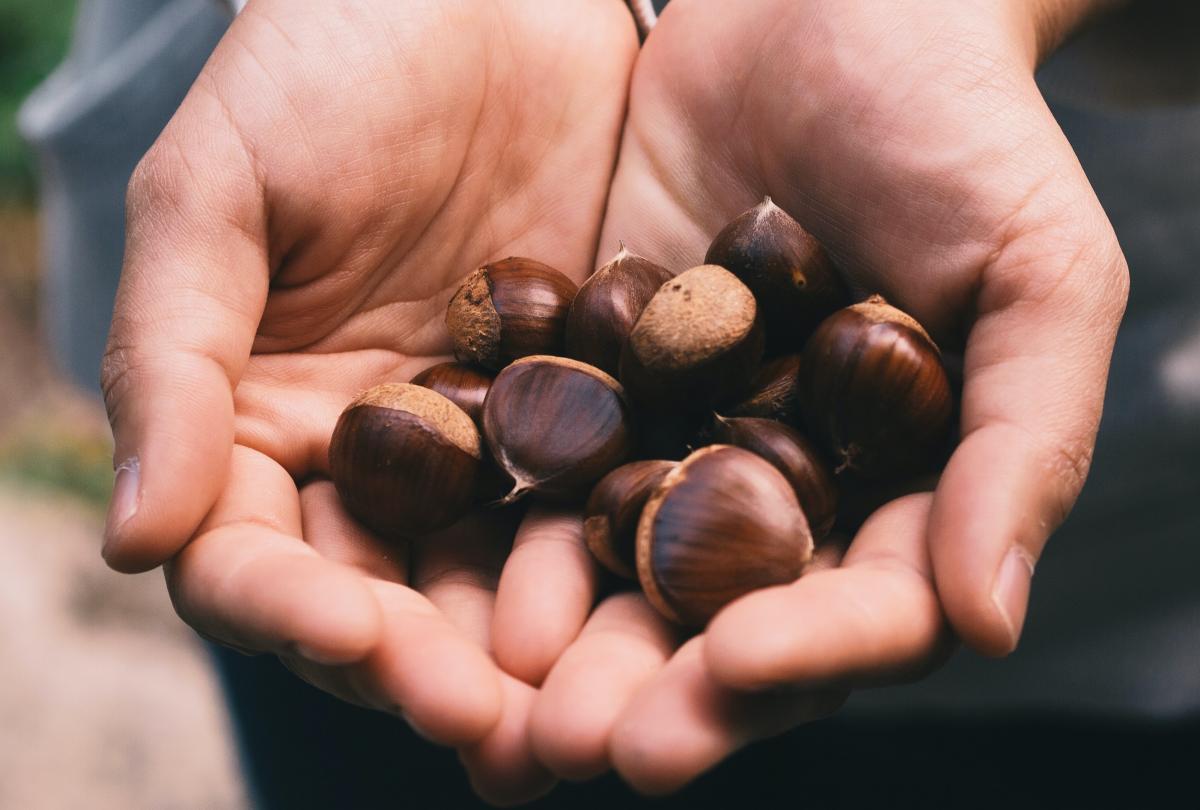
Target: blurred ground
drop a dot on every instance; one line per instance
(106, 699)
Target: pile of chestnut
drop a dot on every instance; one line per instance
(705, 421)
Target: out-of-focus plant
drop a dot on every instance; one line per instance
(33, 38)
(59, 452)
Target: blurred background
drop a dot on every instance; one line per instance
(106, 699)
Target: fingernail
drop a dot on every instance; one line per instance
(125, 500)
(1010, 593)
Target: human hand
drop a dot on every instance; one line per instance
(294, 237)
(916, 147)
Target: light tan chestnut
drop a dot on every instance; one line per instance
(697, 342)
(404, 460)
(608, 305)
(610, 518)
(509, 309)
(721, 524)
(556, 426)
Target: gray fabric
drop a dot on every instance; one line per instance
(130, 64)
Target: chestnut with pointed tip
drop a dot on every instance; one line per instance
(556, 426)
(612, 512)
(721, 524)
(608, 305)
(404, 460)
(774, 392)
(698, 341)
(791, 454)
(875, 392)
(508, 309)
(785, 267)
(465, 386)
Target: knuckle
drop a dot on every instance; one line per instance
(123, 367)
(1068, 464)
(150, 182)
(1117, 278)
(115, 367)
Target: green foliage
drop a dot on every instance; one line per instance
(33, 38)
(62, 460)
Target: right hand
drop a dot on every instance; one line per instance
(294, 237)
(910, 137)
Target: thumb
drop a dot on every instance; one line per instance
(192, 291)
(1036, 365)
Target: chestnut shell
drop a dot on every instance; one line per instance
(612, 512)
(607, 306)
(785, 267)
(556, 426)
(774, 392)
(698, 341)
(875, 392)
(404, 460)
(721, 524)
(794, 456)
(509, 309)
(465, 386)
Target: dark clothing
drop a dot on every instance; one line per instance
(304, 749)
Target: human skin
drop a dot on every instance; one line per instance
(294, 237)
(291, 243)
(911, 139)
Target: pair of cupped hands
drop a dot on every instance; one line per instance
(337, 169)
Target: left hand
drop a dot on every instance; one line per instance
(294, 236)
(917, 147)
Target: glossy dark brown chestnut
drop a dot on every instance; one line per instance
(610, 518)
(509, 309)
(774, 392)
(697, 342)
(556, 426)
(608, 305)
(404, 460)
(465, 386)
(785, 267)
(791, 454)
(721, 524)
(875, 392)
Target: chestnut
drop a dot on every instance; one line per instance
(721, 524)
(875, 392)
(791, 454)
(610, 518)
(556, 426)
(699, 340)
(607, 306)
(465, 386)
(774, 392)
(785, 267)
(404, 460)
(509, 309)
